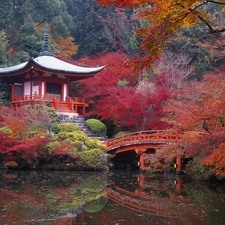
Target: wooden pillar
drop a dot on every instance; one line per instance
(40, 89)
(62, 93)
(178, 165)
(31, 87)
(68, 89)
(142, 161)
(13, 92)
(178, 185)
(142, 181)
(76, 109)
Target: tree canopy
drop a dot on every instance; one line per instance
(165, 18)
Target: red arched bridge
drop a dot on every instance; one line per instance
(143, 142)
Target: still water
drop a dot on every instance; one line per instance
(114, 198)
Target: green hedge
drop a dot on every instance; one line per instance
(96, 126)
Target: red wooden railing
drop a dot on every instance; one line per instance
(71, 103)
(159, 136)
(153, 206)
(55, 102)
(28, 97)
(78, 100)
(74, 103)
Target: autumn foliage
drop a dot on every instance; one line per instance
(198, 112)
(122, 95)
(22, 135)
(26, 141)
(66, 46)
(165, 18)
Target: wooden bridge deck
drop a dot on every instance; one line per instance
(143, 142)
(157, 137)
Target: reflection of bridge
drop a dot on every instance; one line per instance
(169, 204)
(149, 205)
(143, 142)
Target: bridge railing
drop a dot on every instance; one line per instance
(142, 137)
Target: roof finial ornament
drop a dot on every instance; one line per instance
(45, 50)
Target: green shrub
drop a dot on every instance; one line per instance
(52, 114)
(66, 127)
(95, 206)
(198, 171)
(94, 143)
(51, 145)
(96, 126)
(93, 159)
(55, 128)
(5, 129)
(78, 144)
(75, 135)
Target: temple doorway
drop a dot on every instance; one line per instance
(55, 89)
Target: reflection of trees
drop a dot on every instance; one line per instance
(95, 206)
(158, 197)
(89, 187)
(209, 197)
(38, 196)
(59, 197)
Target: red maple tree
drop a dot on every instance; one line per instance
(198, 108)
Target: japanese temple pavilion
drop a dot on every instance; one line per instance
(45, 80)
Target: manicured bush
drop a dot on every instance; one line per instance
(72, 136)
(96, 126)
(93, 159)
(51, 145)
(93, 143)
(66, 127)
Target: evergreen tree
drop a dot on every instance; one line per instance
(3, 46)
(88, 28)
(6, 14)
(5, 91)
(28, 39)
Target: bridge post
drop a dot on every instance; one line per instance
(178, 165)
(142, 161)
(178, 185)
(142, 181)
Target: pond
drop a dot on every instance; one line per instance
(114, 198)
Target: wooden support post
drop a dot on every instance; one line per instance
(142, 161)
(13, 92)
(142, 181)
(76, 109)
(178, 165)
(178, 185)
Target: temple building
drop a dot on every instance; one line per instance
(45, 80)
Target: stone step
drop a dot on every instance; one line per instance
(80, 122)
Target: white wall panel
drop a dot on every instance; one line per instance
(27, 86)
(65, 91)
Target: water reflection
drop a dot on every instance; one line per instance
(120, 197)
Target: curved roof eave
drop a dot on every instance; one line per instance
(14, 69)
(55, 64)
(50, 63)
